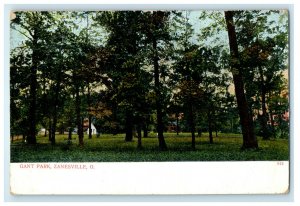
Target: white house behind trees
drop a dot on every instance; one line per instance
(93, 128)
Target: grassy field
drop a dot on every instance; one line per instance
(109, 148)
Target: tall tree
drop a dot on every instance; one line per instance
(124, 40)
(58, 75)
(19, 91)
(156, 30)
(264, 57)
(199, 73)
(34, 26)
(249, 138)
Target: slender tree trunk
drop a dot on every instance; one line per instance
(90, 127)
(70, 133)
(272, 124)
(264, 117)
(192, 124)
(98, 131)
(139, 136)
(55, 106)
(177, 123)
(82, 128)
(89, 115)
(192, 121)
(31, 139)
(145, 129)
(78, 116)
(216, 126)
(129, 127)
(114, 116)
(45, 134)
(199, 132)
(53, 129)
(249, 138)
(211, 140)
(160, 125)
(191, 112)
(210, 129)
(50, 129)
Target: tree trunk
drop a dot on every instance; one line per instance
(210, 129)
(272, 124)
(129, 127)
(145, 129)
(211, 140)
(210, 133)
(199, 132)
(31, 138)
(98, 131)
(191, 112)
(192, 126)
(193, 136)
(139, 131)
(177, 123)
(50, 130)
(90, 127)
(53, 129)
(114, 117)
(89, 115)
(160, 125)
(45, 134)
(82, 126)
(78, 116)
(70, 133)
(216, 127)
(231, 124)
(55, 106)
(249, 138)
(264, 117)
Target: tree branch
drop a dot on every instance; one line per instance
(23, 33)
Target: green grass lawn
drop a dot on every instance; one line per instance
(109, 148)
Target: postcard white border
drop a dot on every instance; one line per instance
(150, 178)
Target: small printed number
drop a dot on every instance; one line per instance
(280, 163)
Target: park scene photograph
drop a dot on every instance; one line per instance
(149, 86)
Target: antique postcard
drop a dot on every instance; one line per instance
(140, 102)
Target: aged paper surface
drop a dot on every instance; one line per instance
(261, 177)
(118, 178)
